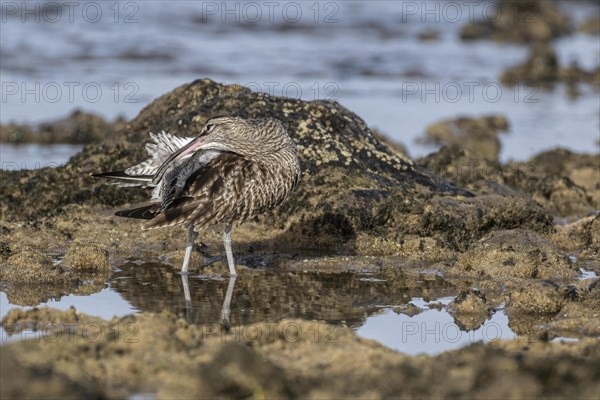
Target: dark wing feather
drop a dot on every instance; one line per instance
(176, 214)
(227, 188)
(176, 177)
(210, 194)
(145, 212)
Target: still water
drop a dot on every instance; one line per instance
(34, 156)
(374, 305)
(366, 55)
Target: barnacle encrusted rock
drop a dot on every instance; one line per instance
(86, 256)
(352, 184)
(29, 265)
(516, 253)
(169, 357)
(470, 309)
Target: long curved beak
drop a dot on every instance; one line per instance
(186, 151)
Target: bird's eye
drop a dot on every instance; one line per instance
(207, 129)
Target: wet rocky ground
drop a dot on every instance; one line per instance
(366, 227)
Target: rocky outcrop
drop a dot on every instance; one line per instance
(77, 128)
(351, 183)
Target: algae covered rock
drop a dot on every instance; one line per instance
(583, 234)
(77, 128)
(41, 382)
(352, 185)
(542, 69)
(170, 358)
(567, 184)
(29, 265)
(542, 297)
(563, 183)
(580, 317)
(470, 309)
(86, 256)
(516, 253)
(35, 277)
(478, 136)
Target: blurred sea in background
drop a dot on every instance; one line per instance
(373, 57)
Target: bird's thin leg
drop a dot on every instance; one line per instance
(186, 289)
(188, 250)
(226, 310)
(228, 252)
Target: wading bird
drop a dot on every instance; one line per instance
(234, 169)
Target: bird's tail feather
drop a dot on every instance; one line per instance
(145, 212)
(121, 178)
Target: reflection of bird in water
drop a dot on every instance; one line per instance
(234, 169)
(225, 309)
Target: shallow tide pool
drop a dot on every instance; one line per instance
(408, 314)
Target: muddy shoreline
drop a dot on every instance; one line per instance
(455, 223)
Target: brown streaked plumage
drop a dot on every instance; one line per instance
(234, 169)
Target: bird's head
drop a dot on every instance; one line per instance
(252, 138)
(247, 137)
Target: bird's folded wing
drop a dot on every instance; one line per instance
(214, 193)
(176, 214)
